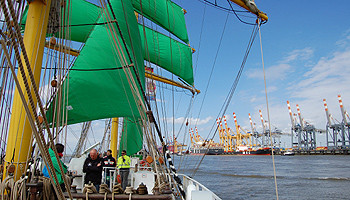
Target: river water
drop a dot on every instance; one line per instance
(252, 177)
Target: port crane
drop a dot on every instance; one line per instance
(233, 139)
(303, 133)
(198, 142)
(227, 137)
(337, 134)
(256, 141)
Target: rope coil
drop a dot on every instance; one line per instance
(104, 189)
(89, 189)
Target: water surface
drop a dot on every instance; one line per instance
(252, 177)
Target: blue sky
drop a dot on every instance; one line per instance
(307, 58)
(306, 54)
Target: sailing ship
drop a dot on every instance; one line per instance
(69, 62)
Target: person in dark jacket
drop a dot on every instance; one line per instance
(93, 169)
(108, 161)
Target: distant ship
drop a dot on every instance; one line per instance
(221, 151)
(243, 150)
(207, 151)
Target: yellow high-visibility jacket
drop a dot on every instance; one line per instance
(123, 162)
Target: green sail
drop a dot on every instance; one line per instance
(97, 86)
(167, 53)
(165, 13)
(85, 15)
(178, 60)
(132, 137)
(82, 17)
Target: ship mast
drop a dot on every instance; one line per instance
(114, 137)
(20, 133)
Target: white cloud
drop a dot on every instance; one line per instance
(253, 99)
(276, 72)
(299, 54)
(344, 42)
(325, 80)
(328, 78)
(270, 89)
(332, 70)
(192, 121)
(280, 71)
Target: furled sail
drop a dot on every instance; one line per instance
(97, 86)
(165, 13)
(167, 53)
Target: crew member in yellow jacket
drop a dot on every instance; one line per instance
(123, 165)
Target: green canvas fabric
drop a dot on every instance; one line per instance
(132, 137)
(104, 91)
(82, 13)
(167, 53)
(165, 13)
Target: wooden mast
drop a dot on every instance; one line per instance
(20, 133)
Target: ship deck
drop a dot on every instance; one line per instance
(120, 196)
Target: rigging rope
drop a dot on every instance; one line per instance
(230, 94)
(38, 134)
(212, 68)
(220, 7)
(210, 75)
(238, 16)
(148, 108)
(134, 88)
(268, 115)
(199, 43)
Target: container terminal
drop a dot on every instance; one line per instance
(239, 141)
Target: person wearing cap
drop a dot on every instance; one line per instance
(124, 168)
(59, 148)
(108, 161)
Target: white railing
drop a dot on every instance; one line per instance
(189, 182)
(113, 172)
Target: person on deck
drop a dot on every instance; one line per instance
(108, 161)
(124, 168)
(93, 169)
(59, 148)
